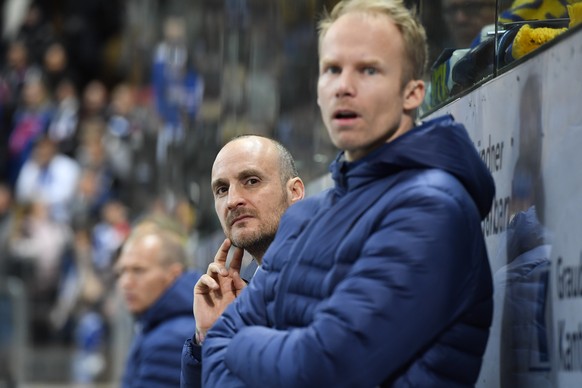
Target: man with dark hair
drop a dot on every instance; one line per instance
(254, 181)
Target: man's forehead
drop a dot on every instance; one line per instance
(135, 249)
(237, 161)
(239, 172)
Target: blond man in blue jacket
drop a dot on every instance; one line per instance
(384, 279)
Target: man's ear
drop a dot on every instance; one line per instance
(175, 270)
(414, 93)
(295, 189)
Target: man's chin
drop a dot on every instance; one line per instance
(246, 241)
(241, 236)
(239, 242)
(135, 310)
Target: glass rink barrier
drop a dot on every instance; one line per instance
(527, 126)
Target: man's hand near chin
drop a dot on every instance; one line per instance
(216, 289)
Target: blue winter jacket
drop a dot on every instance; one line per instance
(382, 280)
(192, 352)
(154, 359)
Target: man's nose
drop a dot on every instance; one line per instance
(345, 84)
(123, 281)
(235, 197)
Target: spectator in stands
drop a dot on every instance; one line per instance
(109, 234)
(65, 120)
(94, 160)
(49, 178)
(37, 247)
(124, 135)
(17, 68)
(80, 311)
(30, 121)
(94, 100)
(81, 288)
(91, 149)
(465, 19)
(157, 289)
(55, 66)
(92, 193)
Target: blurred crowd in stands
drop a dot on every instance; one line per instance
(80, 158)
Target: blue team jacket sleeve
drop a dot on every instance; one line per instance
(158, 367)
(247, 309)
(396, 298)
(191, 376)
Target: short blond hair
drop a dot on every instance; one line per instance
(170, 235)
(413, 33)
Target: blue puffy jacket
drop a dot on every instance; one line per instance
(192, 352)
(382, 280)
(154, 359)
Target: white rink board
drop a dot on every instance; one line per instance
(540, 142)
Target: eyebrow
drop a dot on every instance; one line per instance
(241, 175)
(249, 172)
(217, 182)
(361, 62)
(327, 61)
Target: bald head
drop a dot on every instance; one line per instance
(151, 260)
(254, 180)
(256, 143)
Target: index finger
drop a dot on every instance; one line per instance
(236, 261)
(222, 253)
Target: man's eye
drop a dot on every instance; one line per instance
(220, 190)
(332, 69)
(370, 70)
(252, 181)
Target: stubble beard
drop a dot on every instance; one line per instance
(256, 243)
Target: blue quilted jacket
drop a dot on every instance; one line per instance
(154, 359)
(383, 280)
